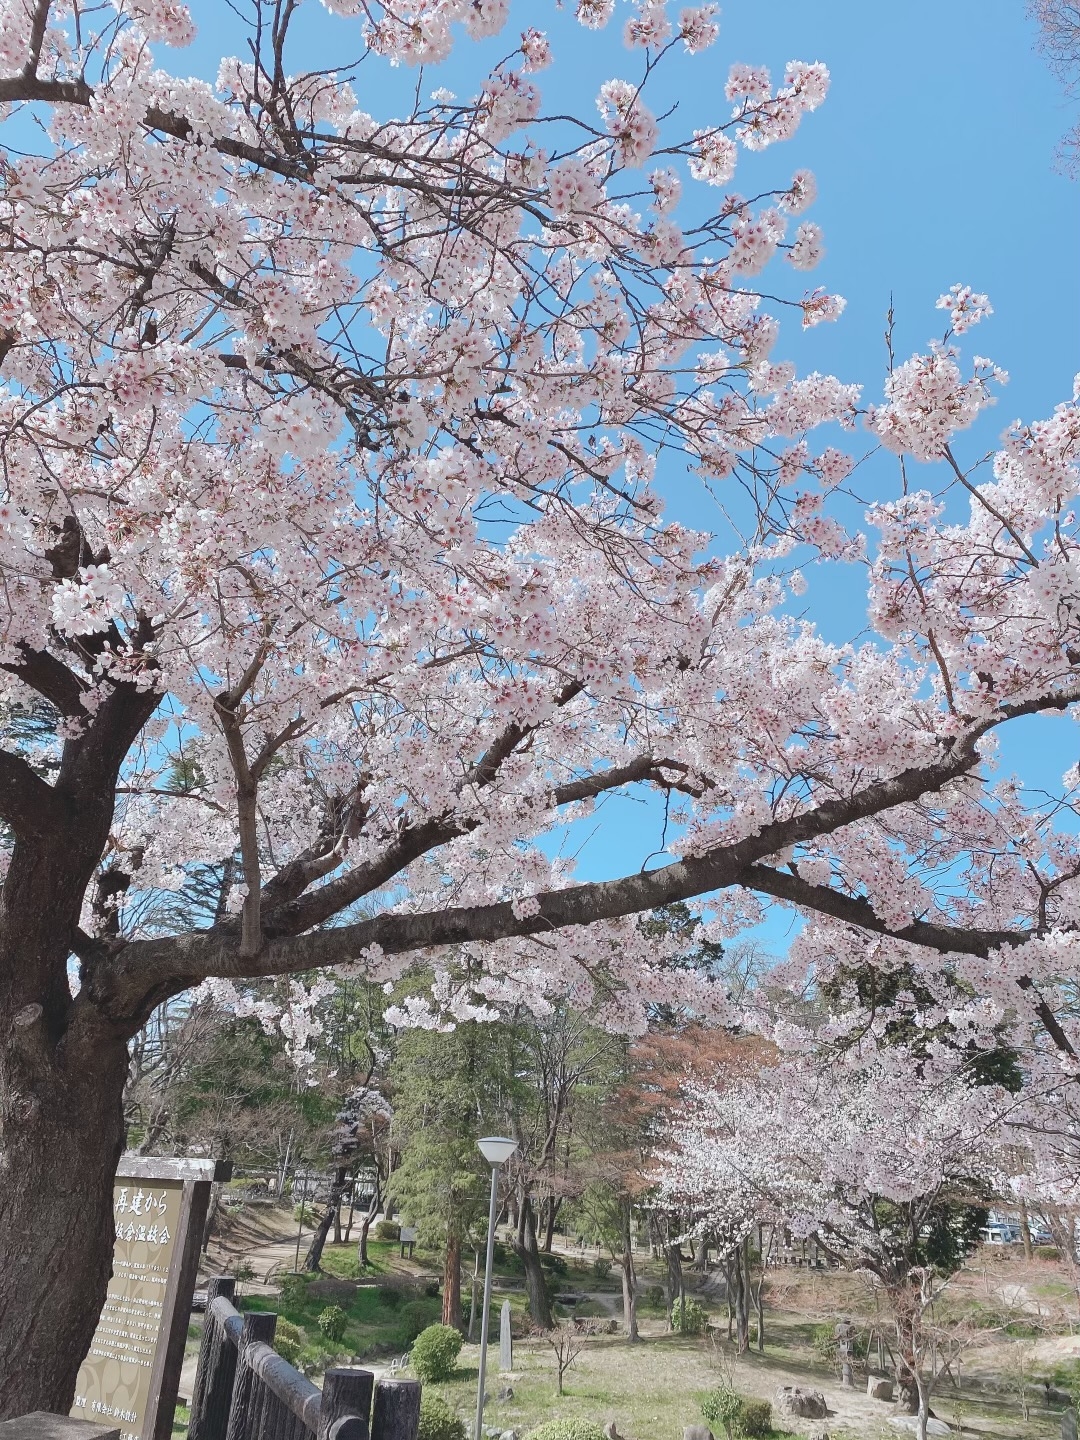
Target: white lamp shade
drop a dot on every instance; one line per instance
(496, 1149)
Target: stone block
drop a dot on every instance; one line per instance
(42, 1425)
(794, 1400)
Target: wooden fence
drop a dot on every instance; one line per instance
(245, 1391)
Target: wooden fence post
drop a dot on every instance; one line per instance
(216, 1371)
(259, 1326)
(346, 1405)
(396, 1415)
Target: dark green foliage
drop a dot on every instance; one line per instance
(689, 1317)
(434, 1353)
(438, 1421)
(566, 1430)
(952, 1233)
(417, 1315)
(387, 1230)
(391, 1298)
(288, 1340)
(332, 1322)
(294, 1289)
(601, 1267)
(755, 1419)
(555, 1263)
(1047, 1252)
(722, 1408)
(656, 1297)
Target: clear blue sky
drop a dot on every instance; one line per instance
(935, 160)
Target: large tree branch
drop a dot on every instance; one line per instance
(417, 840)
(145, 972)
(27, 803)
(50, 677)
(857, 911)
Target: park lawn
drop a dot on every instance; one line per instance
(379, 1320)
(651, 1390)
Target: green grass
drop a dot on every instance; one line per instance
(379, 1320)
(652, 1389)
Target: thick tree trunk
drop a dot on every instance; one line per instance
(61, 1136)
(313, 1259)
(529, 1253)
(451, 1290)
(676, 1285)
(347, 1237)
(629, 1279)
(362, 1257)
(758, 1294)
(741, 1267)
(1025, 1231)
(551, 1214)
(211, 1216)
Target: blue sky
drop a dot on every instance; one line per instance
(935, 161)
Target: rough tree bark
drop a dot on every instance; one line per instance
(629, 1278)
(451, 1289)
(313, 1259)
(362, 1257)
(63, 1058)
(527, 1249)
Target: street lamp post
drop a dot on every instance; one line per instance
(496, 1150)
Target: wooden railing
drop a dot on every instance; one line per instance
(245, 1391)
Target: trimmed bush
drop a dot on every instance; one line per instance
(689, 1317)
(438, 1421)
(567, 1430)
(416, 1316)
(293, 1289)
(288, 1340)
(387, 1230)
(723, 1408)
(601, 1267)
(332, 1322)
(390, 1299)
(555, 1263)
(755, 1419)
(655, 1297)
(434, 1353)
(1047, 1252)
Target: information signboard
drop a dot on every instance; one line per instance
(131, 1375)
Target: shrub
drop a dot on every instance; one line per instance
(824, 1342)
(416, 1316)
(655, 1297)
(438, 1421)
(567, 1430)
(294, 1288)
(387, 1230)
(601, 1267)
(590, 1310)
(1047, 1252)
(390, 1299)
(555, 1263)
(332, 1322)
(755, 1419)
(689, 1317)
(288, 1340)
(434, 1353)
(722, 1408)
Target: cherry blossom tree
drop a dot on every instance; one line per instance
(855, 1155)
(336, 570)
